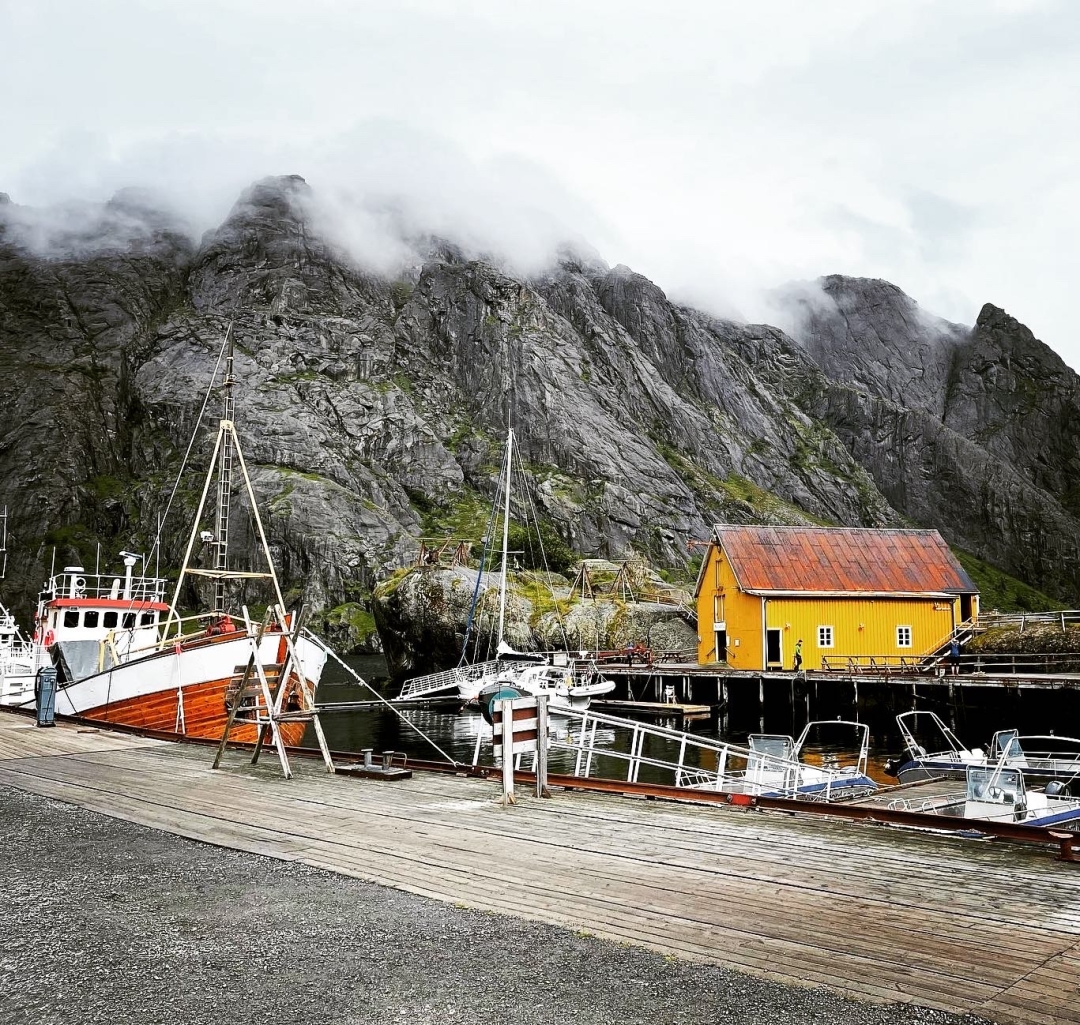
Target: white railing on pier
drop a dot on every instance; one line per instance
(694, 762)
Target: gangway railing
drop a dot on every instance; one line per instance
(691, 761)
(448, 679)
(451, 679)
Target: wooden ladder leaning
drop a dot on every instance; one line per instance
(261, 698)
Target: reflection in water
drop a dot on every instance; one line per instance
(455, 732)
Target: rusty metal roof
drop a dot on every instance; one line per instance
(842, 559)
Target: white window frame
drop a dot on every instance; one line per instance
(900, 636)
(826, 637)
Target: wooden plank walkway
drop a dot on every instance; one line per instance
(878, 913)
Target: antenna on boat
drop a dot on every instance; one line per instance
(3, 543)
(97, 561)
(157, 548)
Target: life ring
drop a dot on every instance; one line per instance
(49, 639)
(37, 634)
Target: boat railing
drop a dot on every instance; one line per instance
(104, 586)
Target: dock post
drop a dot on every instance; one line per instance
(507, 705)
(542, 746)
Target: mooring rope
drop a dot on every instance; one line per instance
(359, 679)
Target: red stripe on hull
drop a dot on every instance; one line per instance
(205, 714)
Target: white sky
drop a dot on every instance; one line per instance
(721, 148)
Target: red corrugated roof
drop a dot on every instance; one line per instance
(842, 559)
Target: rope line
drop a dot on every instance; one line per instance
(191, 441)
(360, 680)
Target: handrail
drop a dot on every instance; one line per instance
(738, 769)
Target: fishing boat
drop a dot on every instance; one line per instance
(18, 662)
(124, 655)
(18, 658)
(932, 751)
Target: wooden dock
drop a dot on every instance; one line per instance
(878, 913)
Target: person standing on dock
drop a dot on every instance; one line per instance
(629, 655)
(954, 657)
(798, 656)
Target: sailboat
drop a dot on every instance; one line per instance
(566, 686)
(126, 656)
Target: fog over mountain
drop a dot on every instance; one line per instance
(720, 149)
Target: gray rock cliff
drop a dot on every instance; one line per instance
(373, 408)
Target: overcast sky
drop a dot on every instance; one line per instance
(721, 148)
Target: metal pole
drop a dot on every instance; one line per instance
(506, 534)
(506, 706)
(542, 746)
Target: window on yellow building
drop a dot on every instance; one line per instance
(824, 636)
(903, 636)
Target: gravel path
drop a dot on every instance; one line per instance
(138, 926)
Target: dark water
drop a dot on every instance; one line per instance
(974, 715)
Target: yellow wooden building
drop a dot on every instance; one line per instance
(842, 591)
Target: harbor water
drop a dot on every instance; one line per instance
(438, 733)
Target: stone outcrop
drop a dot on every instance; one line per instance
(373, 408)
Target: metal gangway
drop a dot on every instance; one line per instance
(451, 679)
(765, 766)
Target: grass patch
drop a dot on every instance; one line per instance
(1003, 593)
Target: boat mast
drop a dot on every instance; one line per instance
(225, 462)
(506, 532)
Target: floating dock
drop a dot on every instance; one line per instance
(883, 914)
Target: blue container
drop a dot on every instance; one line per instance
(45, 695)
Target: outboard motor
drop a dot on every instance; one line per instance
(1055, 788)
(892, 766)
(495, 692)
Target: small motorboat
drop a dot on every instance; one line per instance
(932, 751)
(780, 766)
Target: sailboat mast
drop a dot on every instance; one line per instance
(506, 533)
(225, 462)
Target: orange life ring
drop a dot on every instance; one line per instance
(37, 634)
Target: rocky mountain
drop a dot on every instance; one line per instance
(373, 408)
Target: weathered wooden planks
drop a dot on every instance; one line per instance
(879, 913)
